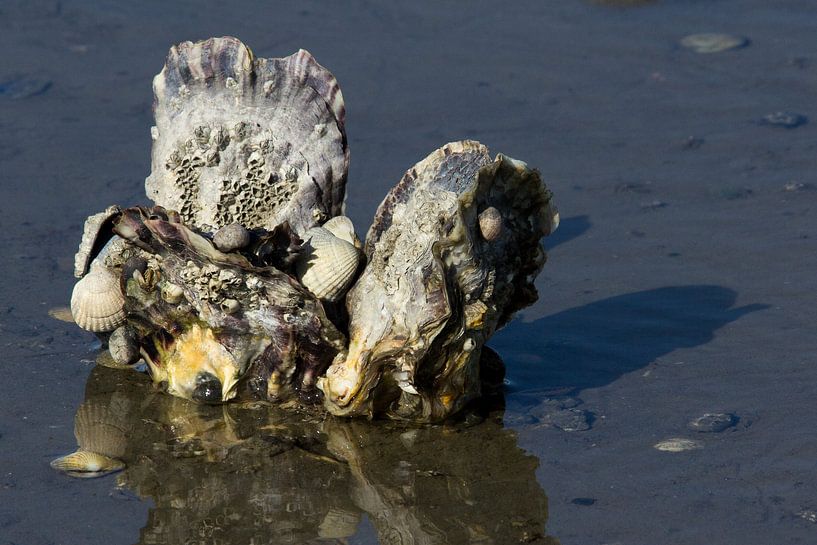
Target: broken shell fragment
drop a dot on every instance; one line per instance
(327, 265)
(96, 233)
(97, 303)
(490, 223)
(86, 464)
(231, 238)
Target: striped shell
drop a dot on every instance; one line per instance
(84, 463)
(327, 265)
(341, 227)
(490, 223)
(97, 303)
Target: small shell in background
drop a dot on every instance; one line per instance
(97, 303)
(86, 464)
(490, 223)
(678, 444)
(341, 227)
(327, 265)
(231, 238)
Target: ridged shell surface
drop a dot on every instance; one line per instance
(101, 428)
(342, 227)
(97, 303)
(327, 264)
(246, 140)
(83, 463)
(95, 234)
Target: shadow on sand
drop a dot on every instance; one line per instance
(569, 228)
(593, 345)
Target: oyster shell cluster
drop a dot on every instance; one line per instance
(244, 280)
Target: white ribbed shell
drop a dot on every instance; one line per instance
(97, 302)
(327, 265)
(341, 227)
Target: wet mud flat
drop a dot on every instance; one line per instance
(679, 285)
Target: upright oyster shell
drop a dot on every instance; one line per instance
(244, 140)
(434, 288)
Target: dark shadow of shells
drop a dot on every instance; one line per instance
(593, 345)
(569, 228)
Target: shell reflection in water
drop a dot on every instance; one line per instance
(260, 474)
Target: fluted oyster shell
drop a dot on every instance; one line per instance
(434, 289)
(246, 140)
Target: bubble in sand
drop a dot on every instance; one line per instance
(713, 42)
(713, 422)
(787, 120)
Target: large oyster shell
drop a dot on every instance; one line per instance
(252, 141)
(434, 288)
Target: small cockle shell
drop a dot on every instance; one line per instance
(327, 265)
(97, 302)
(87, 464)
(341, 227)
(231, 238)
(490, 223)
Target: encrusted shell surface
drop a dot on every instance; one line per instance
(97, 303)
(434, 288)
(95, 234)
(246, 140)
(327, 264)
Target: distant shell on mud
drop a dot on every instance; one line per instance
(713, 42)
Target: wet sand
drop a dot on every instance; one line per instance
(680, 283)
